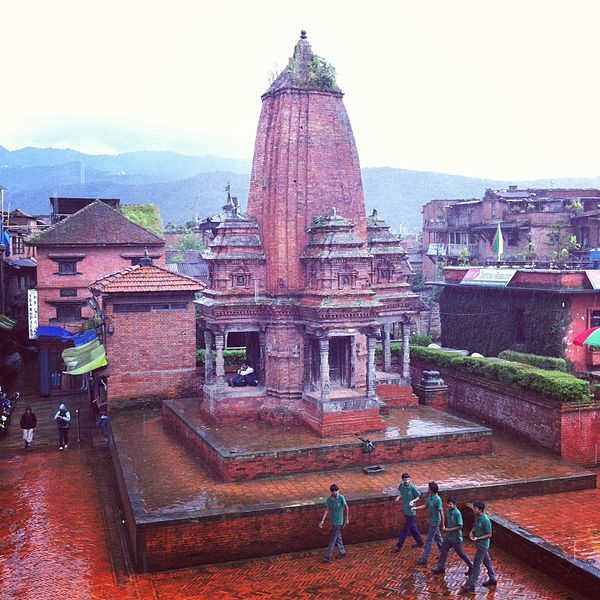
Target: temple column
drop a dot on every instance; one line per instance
(262, 342)
(352, 362)
(208, 360)
(325, 383)
(306, 383)
(387, 351)
(220, 361)
(406, 350)
(371, 378)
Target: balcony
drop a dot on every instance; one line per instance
(456, 249)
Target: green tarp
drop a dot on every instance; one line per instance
(86, 358)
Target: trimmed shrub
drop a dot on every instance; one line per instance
(416, 339)
(548, 363)
(554, 385)
(232, 357)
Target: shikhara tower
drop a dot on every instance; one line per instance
(306, 280)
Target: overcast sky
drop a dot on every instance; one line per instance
(506, 89)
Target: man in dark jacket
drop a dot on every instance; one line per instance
(28, 424)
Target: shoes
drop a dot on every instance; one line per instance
(61, 448)
(438, 571)
(422, 561)
(490, 583)
(468, 572)
(418, 545)
(342, 556)
(467, 588)
(66, 446)
(396, 549)
(326, 559)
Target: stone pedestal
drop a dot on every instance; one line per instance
(432, 391)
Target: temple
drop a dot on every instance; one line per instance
(305, 280)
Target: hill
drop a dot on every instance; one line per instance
(180, 185)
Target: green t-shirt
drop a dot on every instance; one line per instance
(336, 507)
(408, 493)
(454, 519)
(434, 506)
(483, 526)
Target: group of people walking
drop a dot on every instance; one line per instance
(448, 523)
(63, 422)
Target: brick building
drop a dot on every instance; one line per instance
(306, 280)
(71, 254)
(536, 225)
(150, 342)
(528, 310)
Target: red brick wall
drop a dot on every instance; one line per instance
(581, 307)
(98, 263)
(305, 161)
(151, 354)
(567, 430)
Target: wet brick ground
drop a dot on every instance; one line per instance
(54, 544)
(170, 477)
(259, 436)
(570, 521)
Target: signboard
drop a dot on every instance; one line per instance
(594, 278)
(488, 276)
(436, 250)
(32, 313)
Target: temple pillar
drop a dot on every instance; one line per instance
(352, 362)
(324, 352)
(306, 384)
(406, 350)
(371, 377)
(262, 341)
(208, 360)
(220, 360)
(387, 351)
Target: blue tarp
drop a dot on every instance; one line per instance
(66, 336)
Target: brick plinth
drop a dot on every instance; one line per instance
(231, 405)
(397, 396)
(233, 465)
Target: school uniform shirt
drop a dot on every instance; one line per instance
(454, 519)
(408, 493)
(483, 526)
(336, 507)
(434, 506)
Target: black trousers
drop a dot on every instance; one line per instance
(63, 436)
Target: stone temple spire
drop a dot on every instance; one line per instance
(305, 162)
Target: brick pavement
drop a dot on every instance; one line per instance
(570, 521)
(53, 543)
(170, 477)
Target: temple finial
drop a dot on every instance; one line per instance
(303, 34)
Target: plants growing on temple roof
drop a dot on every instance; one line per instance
(322, 74)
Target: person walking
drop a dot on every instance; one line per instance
(481, 535)
(63, 420)
(408, 495)
(336, 504)
(436, 520)
(28, 424)
(453, 537)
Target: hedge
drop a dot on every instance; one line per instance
(548, 363)
(417, 339)
(232, 357)
(554, 385)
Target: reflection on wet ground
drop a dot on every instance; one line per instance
(255, 436)
(170, 477)
(570, 521)
(53, 544)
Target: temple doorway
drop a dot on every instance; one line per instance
(339, 361)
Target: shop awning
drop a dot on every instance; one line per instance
(86, 358)
(6, 322)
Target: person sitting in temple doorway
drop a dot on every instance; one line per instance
(244, 376)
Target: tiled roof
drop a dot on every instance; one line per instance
(96, 224)
(141, 278)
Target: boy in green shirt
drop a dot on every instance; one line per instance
(408, 494)
(436, 519)
(453, 537)
(480, 534)
(336, 503)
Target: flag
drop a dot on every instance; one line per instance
(498, 243)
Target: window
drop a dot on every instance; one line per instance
(240, 280)
(585, 237)
(594, 318)
(18, 245)
(67, 267)
(513, 239)
(68, 292)
(345, 279)
(385, 275)
(157, 307)
(68, 312)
